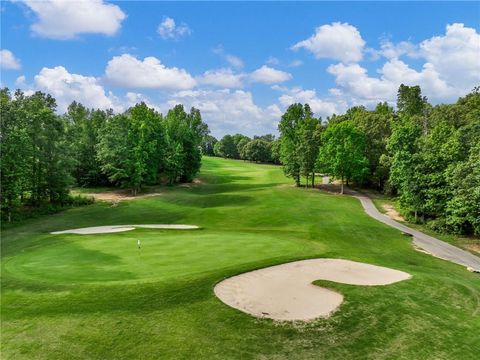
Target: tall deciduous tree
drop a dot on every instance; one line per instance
(290, 140)
(342, 153)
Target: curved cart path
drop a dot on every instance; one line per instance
(428, 243)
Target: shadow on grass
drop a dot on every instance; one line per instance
(83, 265)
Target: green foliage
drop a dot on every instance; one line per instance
(42, 150)
(433, 163)
(309, 134)
(84, 129)
(226, 148)
(463, 208)
(257, 150)
(36, 162)
(185, 133)
(208, 145)
(342, 153)
(410, 101)
(290, 139)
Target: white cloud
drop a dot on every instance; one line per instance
(59, 19)
(393, 51)
(321, 107)
(272, 61)
(224, 78)
(296, 63)
(268, 75)
(338, 41)
(356, 84)
(129, 72)
(234, 61)
(168, 29)
(228, 111)
(456, 56)
(8, 60)
(66, 87)
(21, 82)
(451, 70)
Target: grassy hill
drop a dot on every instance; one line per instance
(99, 297)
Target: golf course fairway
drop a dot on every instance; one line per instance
(99, 296)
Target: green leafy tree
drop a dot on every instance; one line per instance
(309, 136)
(463, 208)
(403, 147)
(258, 150)
(208, 145)
(226, 148)
(290, 140)
(15, 150)
(84, 136)
(342, 153)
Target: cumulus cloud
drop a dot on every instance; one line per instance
(8, 61)
(228, 111)
(59, 19)
(168, 29)
(451, 69)
(224, 78)
(320, 106)
(268, 75)
(66, 87)
(355, 82)
(338, 41)
(455, 55)
(129, 72)
(391, 50)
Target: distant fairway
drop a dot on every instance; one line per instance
(70, 296)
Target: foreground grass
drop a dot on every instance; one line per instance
(98, 297)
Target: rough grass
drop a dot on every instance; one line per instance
(468, 243)
(99, 297)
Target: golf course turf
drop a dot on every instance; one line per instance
(71, 296)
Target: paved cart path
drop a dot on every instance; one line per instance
(436, 247)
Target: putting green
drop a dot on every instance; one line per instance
(164, 255)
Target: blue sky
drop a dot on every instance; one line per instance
(242, 64)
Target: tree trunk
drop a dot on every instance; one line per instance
(313, 179)
(341, 191)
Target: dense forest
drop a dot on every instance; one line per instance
(427, 155)
(44, 154)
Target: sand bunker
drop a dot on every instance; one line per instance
(120, 228)
(286, 292)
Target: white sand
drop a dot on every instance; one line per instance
(286, 292)
(120, 228)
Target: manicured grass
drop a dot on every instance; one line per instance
(99, 297)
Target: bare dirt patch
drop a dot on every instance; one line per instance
(286, 292)
(473, 247)
(392, 213)
(116, 196)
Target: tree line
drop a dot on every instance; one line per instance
(427, 155)
(44, 154)
(264, 149)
